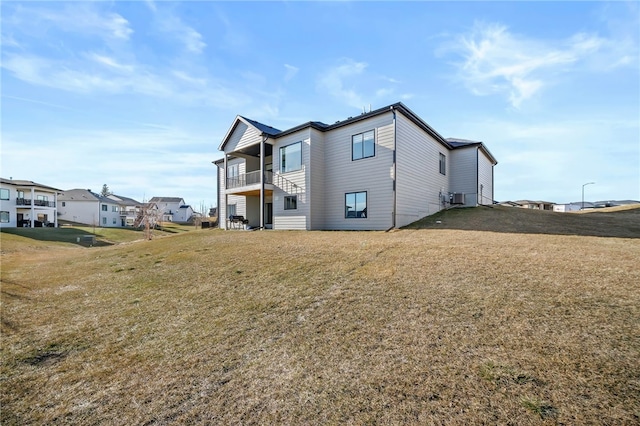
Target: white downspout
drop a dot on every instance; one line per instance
(262, 152)
(224, 188)
(33, 207)
(395, 171)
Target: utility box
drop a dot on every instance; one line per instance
(457, 198)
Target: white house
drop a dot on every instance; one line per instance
(24, 203)
(86, 207)
(379, 170)
(173, 209)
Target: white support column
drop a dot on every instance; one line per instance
(55, 209)
(33, 207)
(226, 197)
(262, 151)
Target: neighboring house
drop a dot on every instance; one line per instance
(24, 203)
(173, 209)
(86, 207)
(536, 205)
(129, 210)
(379, 170)
(572, 207)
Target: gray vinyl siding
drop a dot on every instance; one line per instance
(419, 181)
(238, 200)
(241, 137)
(316, 176)
(485, 174)
(464, 173)
(283, 185)
(343, 175)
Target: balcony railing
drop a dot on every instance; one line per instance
(38, 203)
(247, 179)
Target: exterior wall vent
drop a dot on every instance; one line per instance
(458, 198)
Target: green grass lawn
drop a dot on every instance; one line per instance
(416, 326)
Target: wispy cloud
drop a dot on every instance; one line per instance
(80, 18)
(335, 79)
(291, 72)
(189, 37)
(497, 61)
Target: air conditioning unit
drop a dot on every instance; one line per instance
(458, 198)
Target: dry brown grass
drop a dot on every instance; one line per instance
(436, 326)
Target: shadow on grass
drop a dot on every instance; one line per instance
(63, 235)
(618, 224)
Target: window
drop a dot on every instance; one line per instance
(233, 170)
(64, 204)
(114, 220)
(291, 157)
(114, 209)
(4, 217)
(443, 164)
(104, 220)
(42, 198)
(363, 145)
(355, 205)
(4, 194)
(20, 194)
(104, 207)
(291, 202)
(231, 209)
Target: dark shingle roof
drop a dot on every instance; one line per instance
(18, 182)
(271, 131)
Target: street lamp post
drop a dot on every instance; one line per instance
(588, 183)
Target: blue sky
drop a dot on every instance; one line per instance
(138, 95)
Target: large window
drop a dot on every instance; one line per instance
(4, 217)
(4, 194)
(363, 145)
(355, 205)
(291, 157)
(233, 170)
(443, 164)
(291, 202)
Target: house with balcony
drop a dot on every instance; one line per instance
(24, 203)
(173, 209)
(83, 206)
(379, 170)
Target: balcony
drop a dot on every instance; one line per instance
(248, 179)
(36, 203)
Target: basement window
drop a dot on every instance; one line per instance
(291, 202)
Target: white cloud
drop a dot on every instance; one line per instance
(496, 61)
(83, 18)
(291, 72)
(335, 79)
(171, 24)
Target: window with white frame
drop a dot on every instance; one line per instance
(4, 194)
(291, 157)
(443, 164)
(355, 205)
(363, 145)
(4, 217)
(290, 202)
(105, 207)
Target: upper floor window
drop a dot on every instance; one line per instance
(355, 205)
(443, 164)
(20, 194)
(291, 202)
(363, 145)
(291, 157)
(233, 170)
(104, 207)
(4, 194)
(42, 197)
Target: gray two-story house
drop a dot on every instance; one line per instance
(379, 170)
